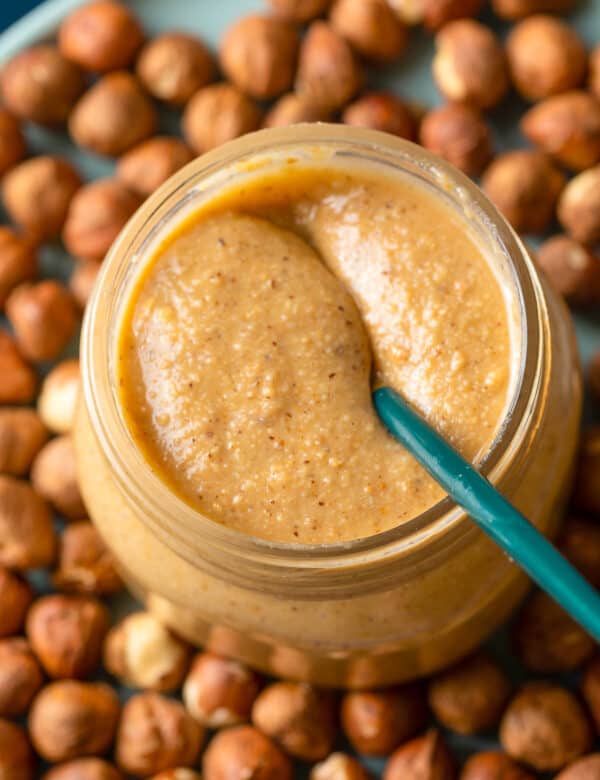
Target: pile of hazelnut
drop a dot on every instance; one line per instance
(303, 60)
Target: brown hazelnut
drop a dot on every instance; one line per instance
(16, 757)
(27, 539)
(580, 543)
(586, 494)
(593, 378)
(545, 727)
(381, 111)
(53, 475)
(145, 167)
(71, 719)
(587, 768)
(423, 758)
(15, 597)
(437, 13)
(299, 10)
(12, 141)
(156, 733)
(459, 134)
(66, 634)
(566, 126)
(579, 206)
(376, 722)
(291, 109)
(371, 27)
(517, 9)
(470, 696)
(180, 773)
(218, 114)
(18, 261)
(37, 193)
(258, 55)
(469, 65)
(82, 281)
(40, 85)
(410, 12)
(100, 36)
(19, 380)
(20, 677)
(242, 751)
(493, 765)
(572, 270)
(142, 653)
(85, 565)
(22, 435)
(590, 688)
(58, 396)
(594, 72)
(329, 74)
(219, 692)
(98, 213)
(339, 766)
(524, 185)
(84, 769)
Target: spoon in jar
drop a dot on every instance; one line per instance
(500, 520)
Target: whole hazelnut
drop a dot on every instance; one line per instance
(145, 167)
(258, 55)
(40, 85)
(180, 773)
(242, 751)
(594, 72)
(20, 677)
(66, 634)
(586, 493)
(328, 74)
(567, 126)
(410, 12)
(469, 65)
(459, 134)
(517, 9)
(16, 758)
(22, 435)
(524, 185)
(219, 692)
(85, 565)
(12, 141)
(545, 727)
(218, 114)
(437, 13)
(579, 206)
(371, 27)
(580, 543)
(291, 109)
(339, 766)
(19, 380)
(545, 57)
(18, 261)
(470, 696)
(173, 66)
(423, 758)
(27, 539)
(15, 597)
(493, 765)
(587, 768)
(97, 215)
(381, 111)
(58, 397)
(37, 193)
(154, 734)
(299, 10)
(590, 688)
(84, 769)
(54, 476)
(82, 281)
(71, 719)
(376, 722)
(572, 270)
(100, 36)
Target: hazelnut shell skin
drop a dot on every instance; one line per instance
(579, 207)
(580, 543)
(18, 260)
(58, 396)
(291, 109)
(26, 530)
(22, 435)
(82, 281)
(437, 13)
(493, 765)
(54, 476)
(19, 378)
(587, 768)
(16, 596)
(149, 164)
(12, 141)
(590, 688)
(594, 72)
(339, 766)
(84, 769)
(423, 757)
(85, 564)
(381, 111)
(371, 27)
(571, 268)
(460, 135)
(16, 757)
(242, 751)
(20, 677)
(586, 493)
(518, 9)
(299, 10)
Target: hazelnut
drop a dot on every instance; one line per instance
(371, 27)
(100, 36)
(113, 115)
(586, 494)
(579, 206)
(84, 769)
(381, 111)
(27, 539)
(587, 768)
(410, 12)
(66, 634)
(328, 73)
(524, 185)
(258, 55)
(545, 727)
(85, 565)
(156, 733)
(580, 543)
(545, 57)
(299, 10)
(572, 270)
(15, 597)
(20, 677)
(339, 766)
(291, 109)
(37, 193)
(71, 719)
(18, 377)
(594, 72)
(566, 126)
(470, 696)
(53, 475)
(517, 9)
(18, 261)
(590, 687)
(219, 691)
(82, 281)
(469, 65)
(40, 85)
(493, 765)
(437, 13)
(145, 167)
(12, 141)
(173, 66)
(22, 435)
(180, 773)
(218, 114)
(376, 722)
(16, 758)
(58, 396)
(97, 215)
(459, 134)
(423, 758)
(242, 751)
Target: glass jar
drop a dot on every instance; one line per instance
(379, 610)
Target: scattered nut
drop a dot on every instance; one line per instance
(572, 270)
(579, 206)
(145, 167)
(242, 751)
(291, 109)
(15, 597)
(85, 565)
(18, 377)
(12, 141)
(381, 111)
(493, 765)
(300, 10)
(18, 260)
(586, 494)
(22, 435)
(100, 36)
(594, 72)
(437, 13)
(16, 758)
(580, 543)
(84, 769)
(586, 768)
(181, 773)
(27, 538)
(371, 27)
(459, 134)
(54, 477)
(58, 397)
(20, 677)
(590, 687)
(82, 281)
(339, 766)
(517, 9)
(423, 758)
(410, 12)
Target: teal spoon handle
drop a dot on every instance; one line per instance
(491, 511)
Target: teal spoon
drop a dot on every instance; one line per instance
(491, 511)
